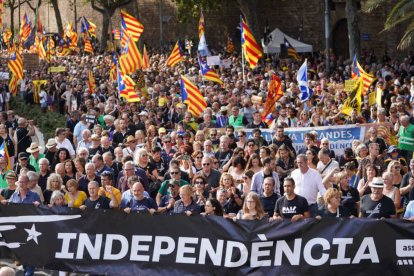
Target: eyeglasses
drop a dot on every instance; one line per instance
(172, 173)
(212, 134)
(241, 135)
(251, 145)
(325, 143)
(206, 164)
(199, 182)
(167, 141)
(215, 162)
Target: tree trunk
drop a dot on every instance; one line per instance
(249, 10)
(55, 5)
(106, 15)
(353, 31)
(12, 21)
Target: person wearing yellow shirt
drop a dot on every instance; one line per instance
(108, 188)
(74, 197)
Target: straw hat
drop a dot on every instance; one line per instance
(34, 147)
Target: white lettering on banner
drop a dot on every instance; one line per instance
(182, 249)
(307, 251)
(136, 247)
(207, 247)
(292, 256)
(193, 250)
(159, 250)
(244, 254)
(404, 248)
(340, 258)
(110, 238)
(64, 252)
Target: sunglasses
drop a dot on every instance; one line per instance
(167, 141)
(241, 135)
(199, 182)
(206, 164)
(173, 173)
(251, 145)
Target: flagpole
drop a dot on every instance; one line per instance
(243, 63)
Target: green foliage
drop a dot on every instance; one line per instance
(402, 11)
(190, 9)
(46, 122)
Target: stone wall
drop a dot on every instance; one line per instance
(286, 15)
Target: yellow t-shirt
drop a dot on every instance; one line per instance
(115, 191)
(78, 200)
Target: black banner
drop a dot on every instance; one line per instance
(112, 242)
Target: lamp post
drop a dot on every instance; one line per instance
(327, 55)
(161, 23)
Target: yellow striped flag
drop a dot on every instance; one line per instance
(175, 56)
(7, 34)
(91, 82)
(25, 28)
(252, 51)
(42, 52)
(145, 59)
(126, 87)
(131, 59)
(367, 79)
(88, 46)
(132, 25)
(13, 84)
(15, 65)
(36, 91)
(191, 95)
(117, 34)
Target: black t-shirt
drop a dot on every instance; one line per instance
(341, 212)
(269, 203)
(223, 157)
(23, 141)
(288, 208)
(101, 203)
(383, 208)
(7, 193)
(349, 199)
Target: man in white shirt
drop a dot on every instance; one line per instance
(308, 183)
(326, 164)
(63, 142)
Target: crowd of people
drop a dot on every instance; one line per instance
(154, 156)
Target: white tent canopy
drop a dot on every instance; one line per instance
(277, 37)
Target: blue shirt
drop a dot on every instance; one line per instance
(29, 199)
(142, 206)
(127, 197)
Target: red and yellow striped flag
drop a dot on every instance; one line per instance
(145, 59)
(88, 46)
(91, 82)
(131, 59)
(126, 87)
(367, 79)
(13, 84)
(132, 25)
(192, 96)
(175, 56)
(15, 65)
(252, 51)
(25, 28)
(7, 34)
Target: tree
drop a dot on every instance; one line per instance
(107, 9)
(55, 5)
(351, 9)
(13, 5)
(402, 11)
(191, 9)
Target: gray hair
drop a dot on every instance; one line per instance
(55, 195)
(32, 175)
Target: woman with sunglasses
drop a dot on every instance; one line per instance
(200, 193)
(242, 136)
(197, 157)
(394, 167)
